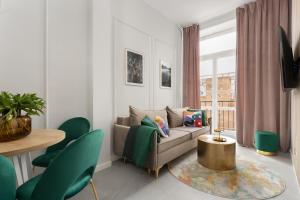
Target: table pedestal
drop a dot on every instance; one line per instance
(216, 155)
(21, 168)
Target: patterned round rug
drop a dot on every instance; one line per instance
(250, 180)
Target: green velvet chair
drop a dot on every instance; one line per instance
(73, 128)
(68, 173)
(7, 179)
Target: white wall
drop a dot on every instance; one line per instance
(22, 57)
(102, 74)
(140, 28)
(70, 52)
(130, 24)
(67, 60)
(295, 150)
(43, 49)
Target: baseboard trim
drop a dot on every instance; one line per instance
(103, 166)
(294, 168)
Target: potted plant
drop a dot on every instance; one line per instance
(15, 112)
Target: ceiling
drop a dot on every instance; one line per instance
(186, 12)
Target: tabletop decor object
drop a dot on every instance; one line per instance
(15, 112)
(219, 138)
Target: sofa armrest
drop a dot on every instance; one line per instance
(120, 135)
(151, 163)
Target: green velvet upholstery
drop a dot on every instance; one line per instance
(68, 173)
(44, 159)
(7, 179)
(74, 128)
(25, 191)
(266, 141)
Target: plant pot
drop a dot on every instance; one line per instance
(15, 129)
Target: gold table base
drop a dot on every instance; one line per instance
(216, 155)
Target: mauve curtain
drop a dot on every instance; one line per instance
(191, 74)
(261, 102)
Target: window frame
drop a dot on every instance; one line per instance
(214, 58)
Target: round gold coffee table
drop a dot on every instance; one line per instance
(216, 155)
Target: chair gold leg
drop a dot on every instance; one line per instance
(94, 189)
(149, 171)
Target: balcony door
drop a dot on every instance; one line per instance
(217, 79)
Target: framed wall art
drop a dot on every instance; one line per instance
(134, 68)
(165, 75)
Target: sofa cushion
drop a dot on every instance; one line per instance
(194, 131)
(175, 116)
(137, 115)
(176, 137)
(125, 121)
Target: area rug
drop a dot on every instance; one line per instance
(250, 179)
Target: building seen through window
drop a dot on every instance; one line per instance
(218, 80)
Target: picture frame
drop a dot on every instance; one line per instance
(165, 71)
(134, 68)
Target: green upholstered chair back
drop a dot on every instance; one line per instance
(7, 179)
(73, 128)
(77, 160)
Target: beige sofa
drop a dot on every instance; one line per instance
(181, 140)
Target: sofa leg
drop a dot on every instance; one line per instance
(169, 166)
(157, 172)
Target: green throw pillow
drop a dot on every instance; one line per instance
(148, 122)
(204, 118)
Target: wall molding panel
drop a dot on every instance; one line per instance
(153, 49)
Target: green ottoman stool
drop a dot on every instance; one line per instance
(266, 143)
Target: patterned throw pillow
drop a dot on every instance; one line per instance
(149, 122)
(192, 119)
(162, 126)
(203, 115)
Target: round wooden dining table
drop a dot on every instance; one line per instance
(19, 150)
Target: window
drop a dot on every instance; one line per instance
(205, 80)
(218, 44)
(217, 76)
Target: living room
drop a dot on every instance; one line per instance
(149, 99)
